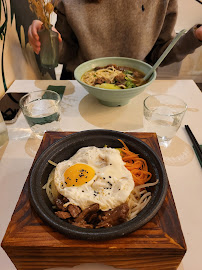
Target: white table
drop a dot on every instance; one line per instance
(81, 111)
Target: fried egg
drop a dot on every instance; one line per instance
(94, 175)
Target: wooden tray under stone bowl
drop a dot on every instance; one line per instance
(31, 244)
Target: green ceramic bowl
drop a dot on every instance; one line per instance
(111, 97)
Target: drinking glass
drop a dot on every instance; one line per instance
(49, 53)
(163, 115)
(41, 109)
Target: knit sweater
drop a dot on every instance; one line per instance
(139, 29)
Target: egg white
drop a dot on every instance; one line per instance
(111, 185)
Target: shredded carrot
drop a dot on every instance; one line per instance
(136, 165)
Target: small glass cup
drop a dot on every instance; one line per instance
(163, 115)
(41, 109)
(49, 53)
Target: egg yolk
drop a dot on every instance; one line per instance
(78, 174)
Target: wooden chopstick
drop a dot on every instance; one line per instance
(195, 143)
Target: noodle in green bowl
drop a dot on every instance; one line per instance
(113, 80)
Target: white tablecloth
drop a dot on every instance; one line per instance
(81, 111)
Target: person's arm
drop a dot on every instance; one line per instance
(186, 45)
(69, 43)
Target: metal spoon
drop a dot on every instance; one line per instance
(161, 58)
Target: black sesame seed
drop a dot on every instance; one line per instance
(110, 176)
(82, 190)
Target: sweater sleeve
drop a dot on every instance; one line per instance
(69, 44)
(185, 45)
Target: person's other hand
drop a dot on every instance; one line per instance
(198, 33)
(34, 37)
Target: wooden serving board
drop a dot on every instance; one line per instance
(31, 244)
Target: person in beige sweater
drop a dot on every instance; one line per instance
(99, 28)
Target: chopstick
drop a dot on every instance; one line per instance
(195, 144)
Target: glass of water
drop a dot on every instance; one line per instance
(163, 115)
(41, 109)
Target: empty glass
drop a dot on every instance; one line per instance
(163, 115)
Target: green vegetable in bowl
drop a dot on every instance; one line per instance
(128, 72)
(130, 84)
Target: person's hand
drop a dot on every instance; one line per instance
(34, 37)
(198, 33)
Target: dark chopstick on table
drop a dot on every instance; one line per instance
(195, 143)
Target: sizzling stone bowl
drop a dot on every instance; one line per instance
(66, 147)
(114, 97)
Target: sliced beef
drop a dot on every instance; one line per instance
(92, 216)
(97, 68)
(119, 79)
(77, 217)
(60, 201)
(74, 210)
(63, 215)
(88, 212)
(64, 199)
(114, 217)
(137, 74)
(82, 224)
(101, 80)
(60, 205)
(93, 219)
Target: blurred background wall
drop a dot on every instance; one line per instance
(17, 60)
